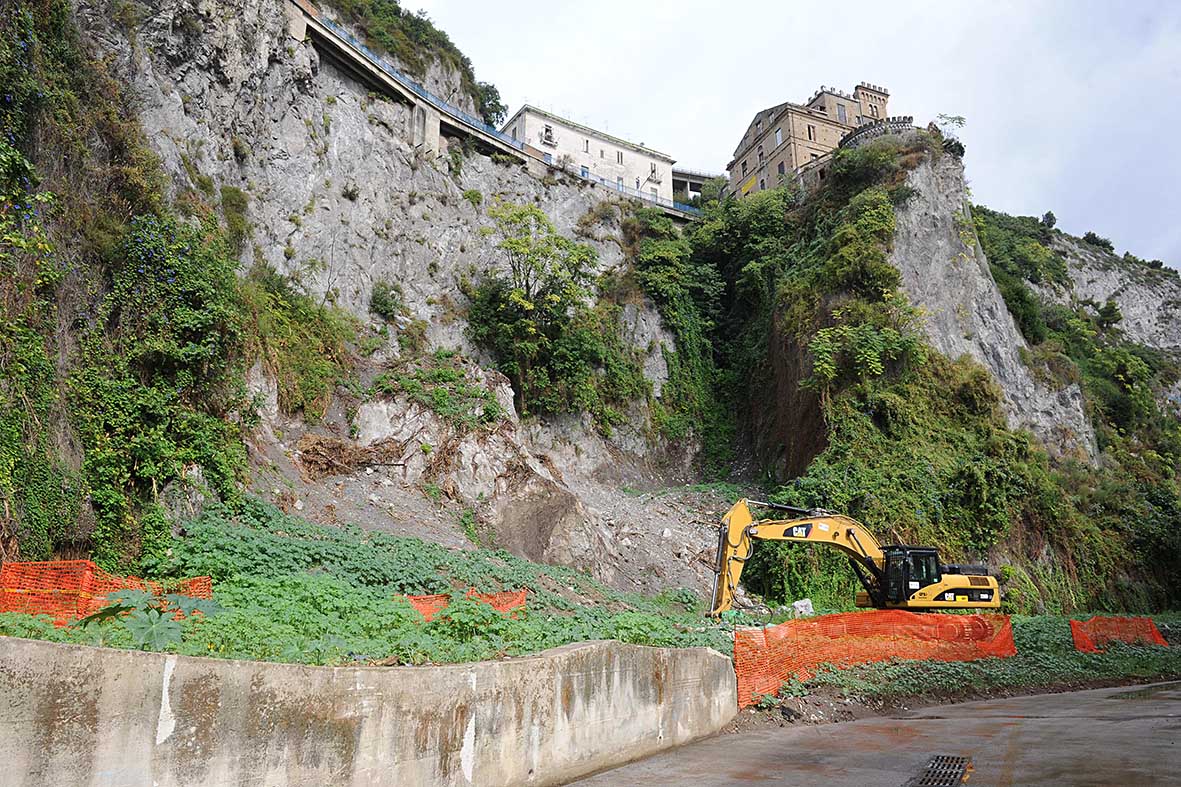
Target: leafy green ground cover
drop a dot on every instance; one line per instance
(293, 591)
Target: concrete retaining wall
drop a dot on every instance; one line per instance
(74, 715)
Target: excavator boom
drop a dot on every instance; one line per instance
(892, 576)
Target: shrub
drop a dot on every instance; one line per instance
(304, 344)
(154, 388)
(387, 300)
(1099, 242)
(559, 354)
(233, 206)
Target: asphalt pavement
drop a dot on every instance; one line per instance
(1105, 737)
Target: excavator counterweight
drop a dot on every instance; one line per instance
(892, 577)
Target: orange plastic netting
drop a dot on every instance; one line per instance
(70, 589)
(504, 601)
(1091, 635)
(765, 658)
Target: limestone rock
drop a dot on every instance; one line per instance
(945, 273)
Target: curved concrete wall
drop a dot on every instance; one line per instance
(74, 715)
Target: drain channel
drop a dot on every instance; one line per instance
(943, 770)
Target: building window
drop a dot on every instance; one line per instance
(778, 137)
(514, 132)
(619, 156)
(547, 136)
(586, 146)
(585, 172)
(653, 165)
(619, 182)
(654, 193)
(602, 153)
(762, 184)
(637, 184)
(744, 169)
(841, 116)
(782, 168)
(873, 110)
(760, 154)
(815, 156)
(811, 133)
(758, 124)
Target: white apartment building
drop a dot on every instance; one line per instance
(593, 154)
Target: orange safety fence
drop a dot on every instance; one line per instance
(766, 658)
(1091, 635)
(507, 600)
(70, 589)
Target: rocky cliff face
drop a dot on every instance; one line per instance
(339, 199)
(945, 273)
(1149, 298)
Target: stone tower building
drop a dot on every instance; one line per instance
(785, 137)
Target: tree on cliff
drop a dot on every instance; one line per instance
(560, 354)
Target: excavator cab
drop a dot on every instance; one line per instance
(909, 569)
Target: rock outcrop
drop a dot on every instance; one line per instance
(338, 199)
(1148, 298)
(945, 273)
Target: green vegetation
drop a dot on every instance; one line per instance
(916, 445)
(474, 196)
(233, 208)
(289, 590)
(387, 300)
(304, 345)
(158, 378)
(560, 354)
(1134, 496)
(126, 331)
(687, 296)
(39, 494)
(1018, 251)
(415, 42)
(153, 374)
(1099, 242)
(440, 383)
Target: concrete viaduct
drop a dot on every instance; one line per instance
(432, 117)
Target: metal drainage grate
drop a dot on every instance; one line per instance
(943, 770)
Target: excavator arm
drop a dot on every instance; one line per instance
(739, 529)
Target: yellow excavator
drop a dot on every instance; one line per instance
(893, 577)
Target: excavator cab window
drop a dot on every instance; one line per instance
(909, 570)
(896, 571)
(924, 569)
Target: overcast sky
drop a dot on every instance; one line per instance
(1071, 106)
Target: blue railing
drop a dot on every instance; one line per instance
(629, 191)
(416, 88)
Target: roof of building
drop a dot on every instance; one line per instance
(590, 131)
(697, 173)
